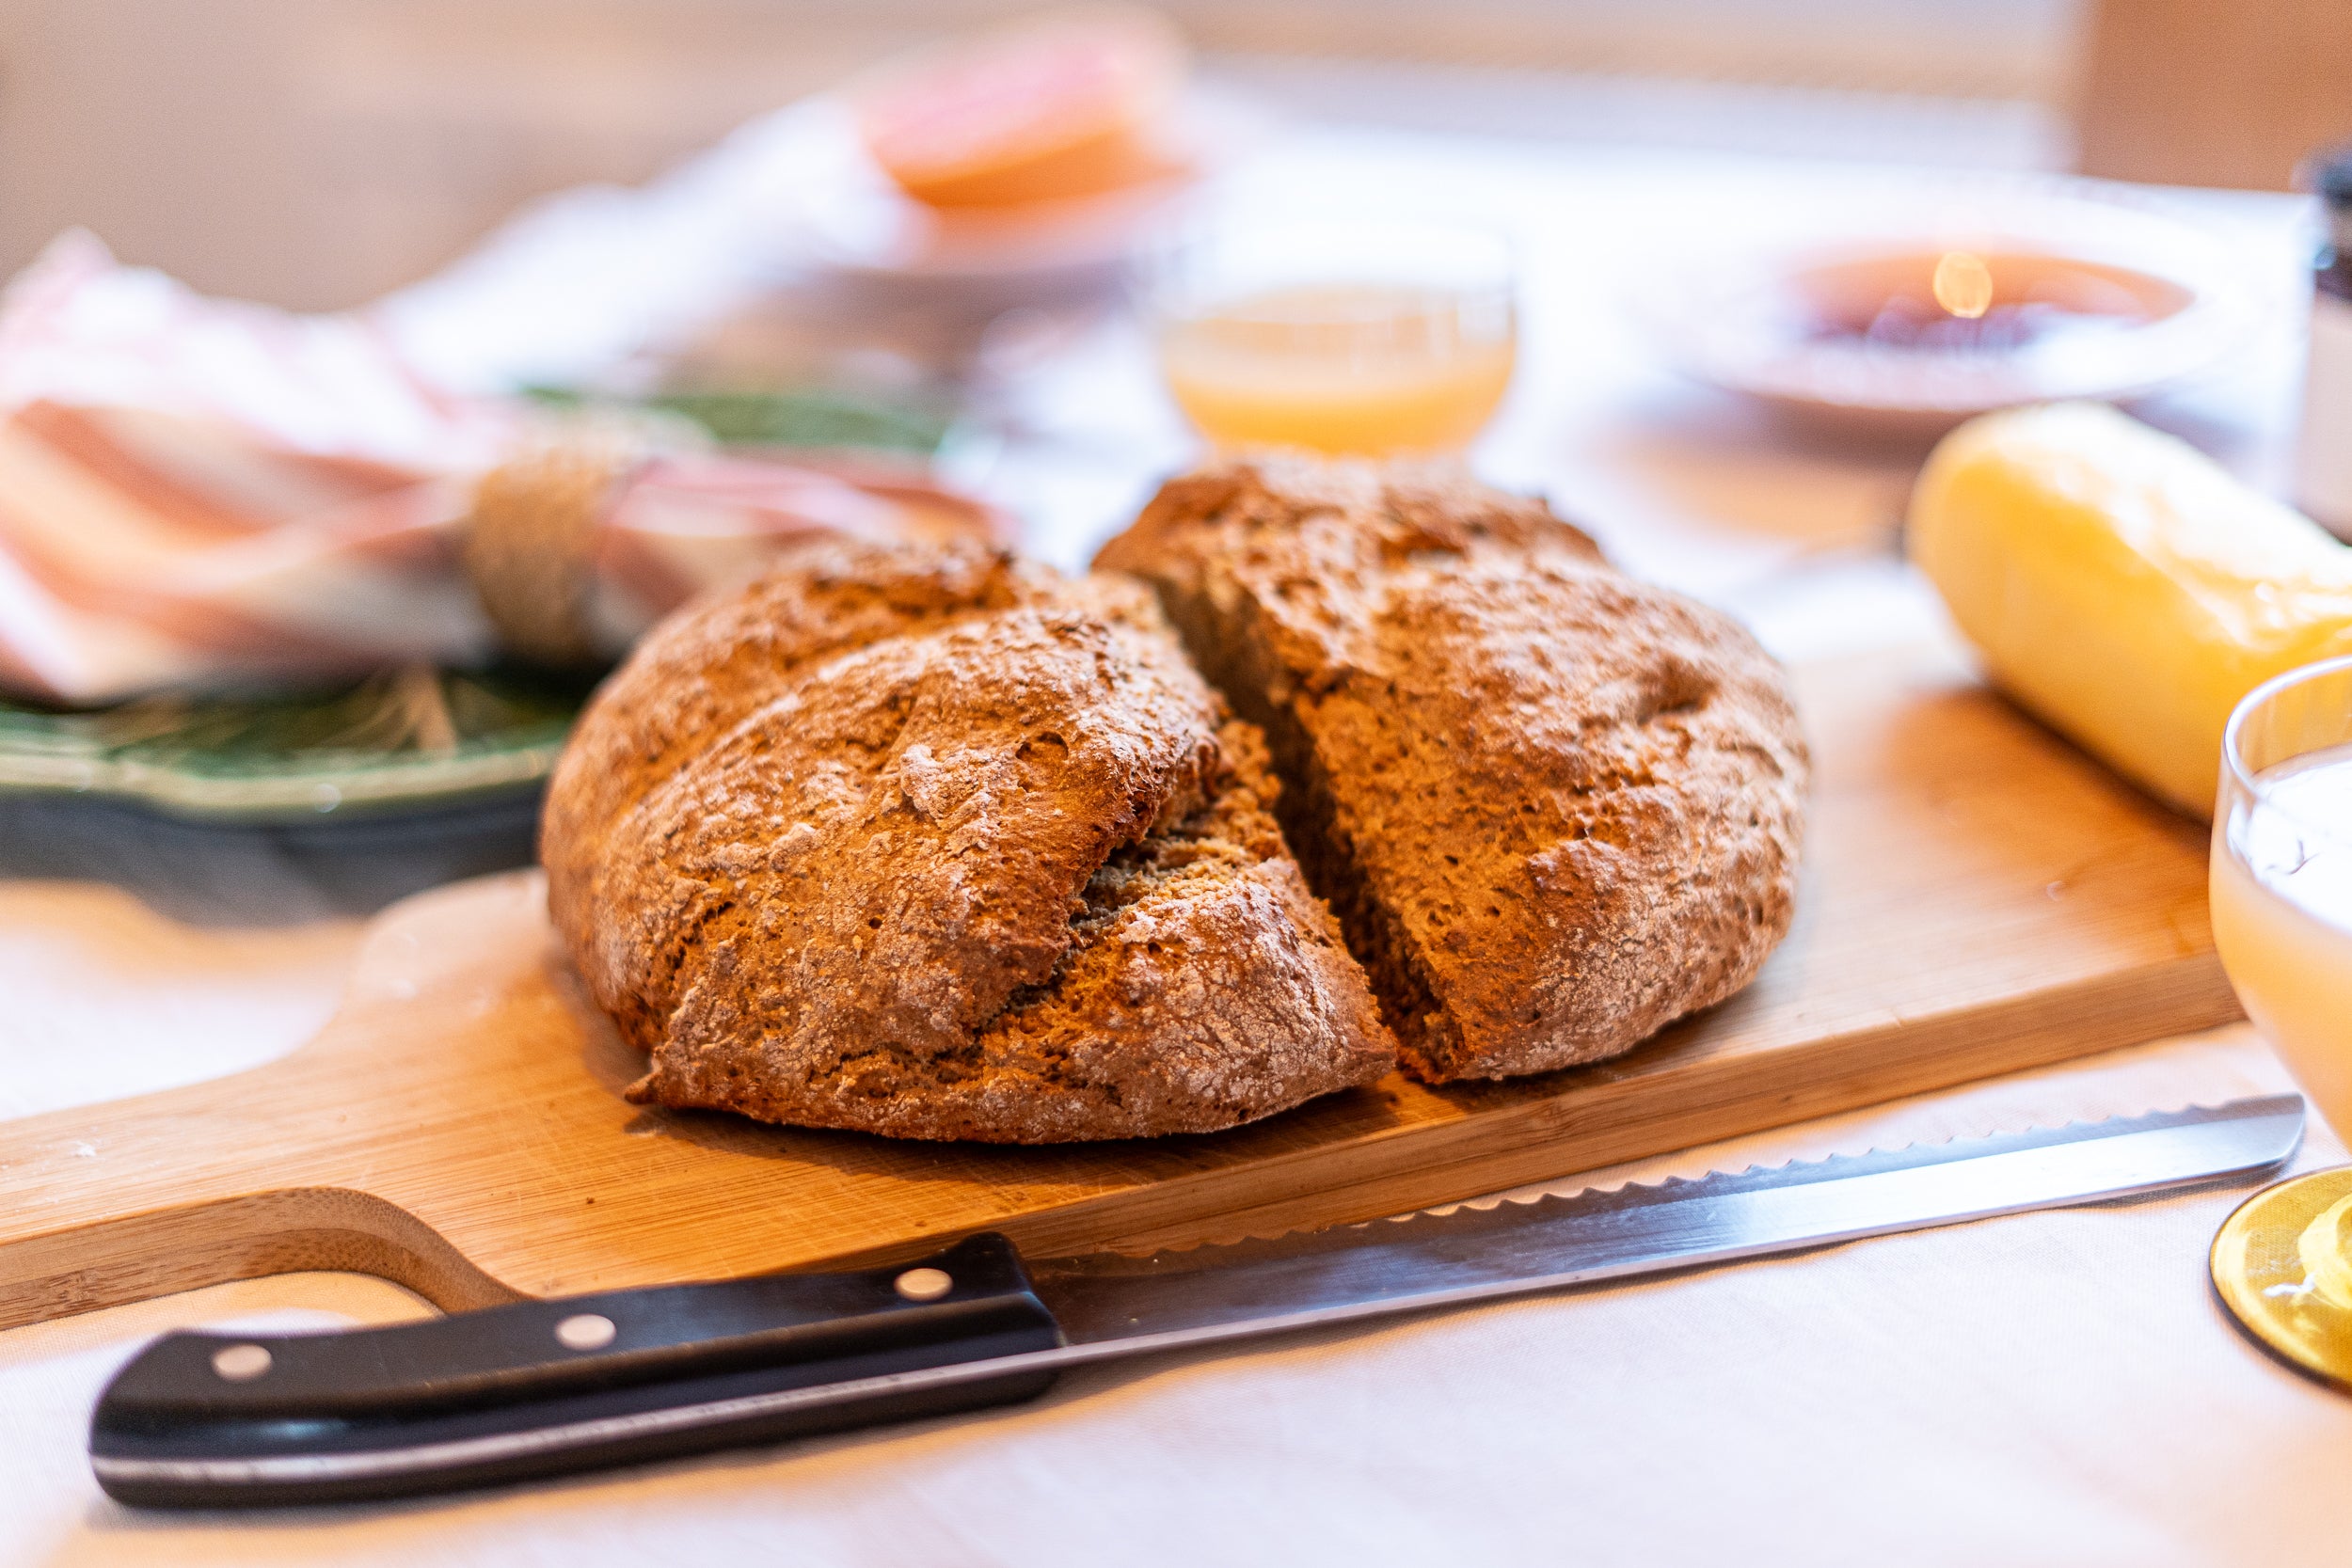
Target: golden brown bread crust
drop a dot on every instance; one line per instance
(931, 843)
(1555, 808)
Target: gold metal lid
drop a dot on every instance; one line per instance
(2281, 1264)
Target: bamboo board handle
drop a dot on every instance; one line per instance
(252, 1174)
(105, 1204)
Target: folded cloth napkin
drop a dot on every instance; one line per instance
(202, 495)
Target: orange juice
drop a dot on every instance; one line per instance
(1368, 368)
(2282, 918)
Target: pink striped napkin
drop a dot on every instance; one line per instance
(203, 495)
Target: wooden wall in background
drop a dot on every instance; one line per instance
(2214, 92)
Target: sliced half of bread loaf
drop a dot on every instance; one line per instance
(1556, 808)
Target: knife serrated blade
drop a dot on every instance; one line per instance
(1424, 1261)
(543, 1387)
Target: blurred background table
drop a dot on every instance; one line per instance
(1879, 1397)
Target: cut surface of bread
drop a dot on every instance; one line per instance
(1554, 807)
(931, 843)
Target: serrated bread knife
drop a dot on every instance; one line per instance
(207, 1421)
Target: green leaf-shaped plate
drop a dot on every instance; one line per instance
(402, 742)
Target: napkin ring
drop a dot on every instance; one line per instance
(529, 543)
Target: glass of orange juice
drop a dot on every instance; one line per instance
(1358, 338)
(2281, 900)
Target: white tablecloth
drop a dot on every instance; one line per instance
(2042, 1389)
(2053, 1389)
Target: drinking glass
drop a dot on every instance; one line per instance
(1369, 339)
(2282, 899)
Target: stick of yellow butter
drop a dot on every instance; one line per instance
(2121, 586)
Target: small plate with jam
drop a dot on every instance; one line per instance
(1908, 328)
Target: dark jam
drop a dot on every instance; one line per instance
(1965, 303)
(1924, 327)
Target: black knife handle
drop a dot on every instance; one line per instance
(543, 1387)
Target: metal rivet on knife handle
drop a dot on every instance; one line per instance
(585, 1331)
(924, 1284)
(241, 1363)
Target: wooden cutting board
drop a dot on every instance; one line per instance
(1977, 898)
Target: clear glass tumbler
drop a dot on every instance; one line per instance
(1369, 339)
(2281, 900)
